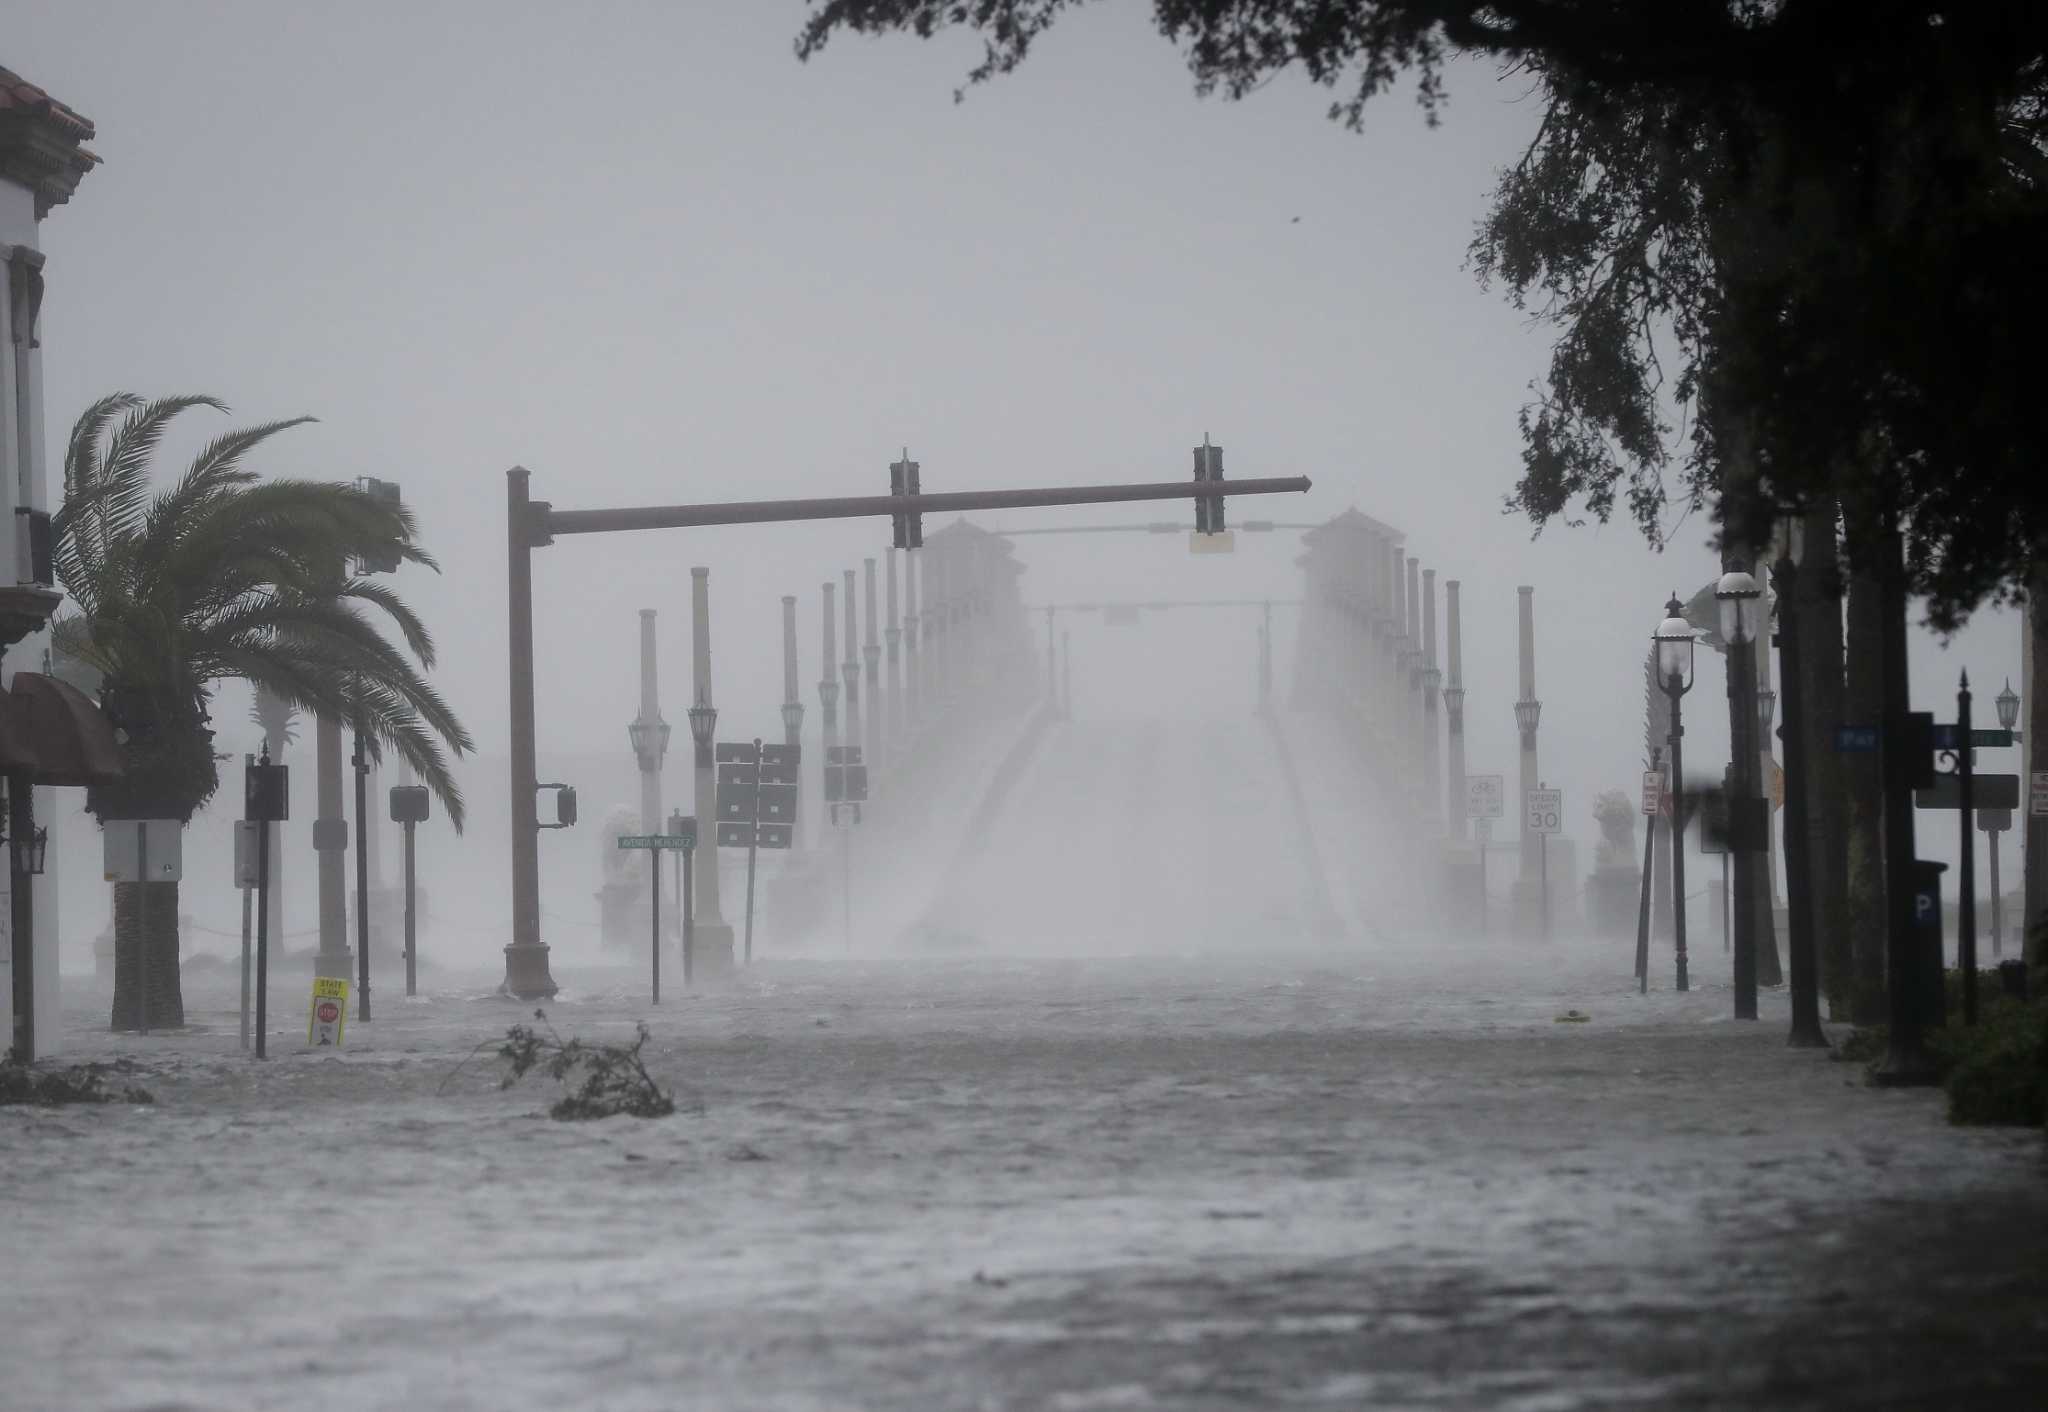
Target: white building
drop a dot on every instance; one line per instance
(41, 161)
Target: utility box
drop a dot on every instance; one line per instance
(143, 850)
(1929, 969)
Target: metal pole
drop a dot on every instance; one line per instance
(142, 922)
(1543, 866)
(362, 769)
(1966, 896)
(412, 946)
(526, 959)
(21, 830)
(1742, 792)
(871, 653)
(262, 927)
(1906, 1058)
(753, 850)
(845, 884)
(1643, 902)
(1067, 652)
(1052, 663)
(1997, 903)
(689, 916)
(1674, 688)
(1485, 837)
(245, 964)
(654, 925)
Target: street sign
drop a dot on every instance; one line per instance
(1856, 740)
(327, 1014)
(131, 848)
(733, 753)
(1546, 811)
(686, 839)
(846, 783)
(1988, 792)
(1485, 797)
(2037, 793)
(779, 764)
(245, 852)
(1994, 820)
(1653, 791)
(1222, 543)
(1945, 737)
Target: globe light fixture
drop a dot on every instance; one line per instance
(1766, 709)
(1527, 713)
(1675, 640)
(1741, 604)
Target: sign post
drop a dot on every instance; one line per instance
(327, 1015)
(1485, 801)
(1653, 804)
(684, 839)
(1546, 817)
(266, 795)
(846, 788)
(756, 806)
(245, 879)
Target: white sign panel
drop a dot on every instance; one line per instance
(1546, 811)
(143, 850)
(245, 852)
(1653, 791)
(2037, 793)
(1485, 796)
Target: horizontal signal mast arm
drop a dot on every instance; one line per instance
(548, 521)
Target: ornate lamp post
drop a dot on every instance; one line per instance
(1674, 642)
(1528, 711)
(1740, 602)
(2008, 703)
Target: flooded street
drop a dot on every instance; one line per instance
(1305, 1178)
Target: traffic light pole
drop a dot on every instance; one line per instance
(532, 524)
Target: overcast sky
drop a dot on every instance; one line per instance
(643, 251)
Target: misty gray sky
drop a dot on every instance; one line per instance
(644, 252)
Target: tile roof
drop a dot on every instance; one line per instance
(18, 94)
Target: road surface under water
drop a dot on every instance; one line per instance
(1265, 1175)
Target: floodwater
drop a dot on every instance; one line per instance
(1144, 1114)
(1291, 1175)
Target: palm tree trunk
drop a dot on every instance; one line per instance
(1863, 779)
(146, 913)
(1819, 589)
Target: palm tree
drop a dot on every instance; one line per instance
(223, 575)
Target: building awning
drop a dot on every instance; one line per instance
(55, 733)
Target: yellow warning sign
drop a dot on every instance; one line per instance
(328, 1013)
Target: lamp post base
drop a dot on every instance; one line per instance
(711, 948)
(526, 972)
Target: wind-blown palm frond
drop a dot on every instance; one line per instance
(224, 575)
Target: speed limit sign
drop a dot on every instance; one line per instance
(1546, 811)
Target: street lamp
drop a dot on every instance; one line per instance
(2008, 702)
(703, 722)
(649, 740)
(29, 852)
(1674, 640)
(1527, 713)
(1741, 608)
(793, 718)
(1766, 708)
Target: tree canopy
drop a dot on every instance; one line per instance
(1833, 210)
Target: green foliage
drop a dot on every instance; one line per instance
(221, 574)
(613, 1078)
(1995, 1071)
(53, 1088)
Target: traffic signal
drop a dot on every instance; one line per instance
(382, 490)
(1208, 508)
(903, 481)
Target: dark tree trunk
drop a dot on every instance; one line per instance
(2034, 726)
(150, 908)
(1827, 809)
(1863, 778)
